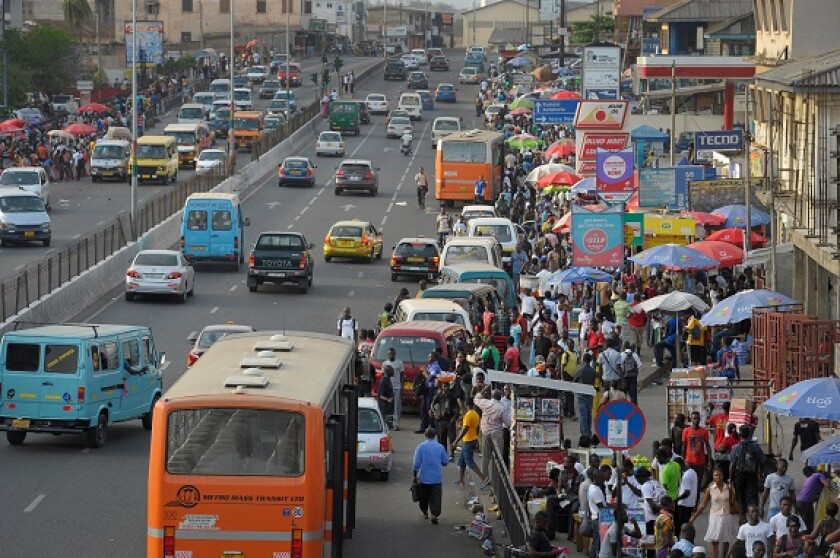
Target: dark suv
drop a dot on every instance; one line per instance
(439, 64)
(356, 174)
(417, 80)
(394, 69)
(415, 257)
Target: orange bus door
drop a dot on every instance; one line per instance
(351, 395)
(337, 426)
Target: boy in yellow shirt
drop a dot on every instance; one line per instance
(469, 433)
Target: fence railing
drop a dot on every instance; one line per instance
(512, 510)
(60, 265)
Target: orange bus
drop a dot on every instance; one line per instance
(250, 451)
(461, 159)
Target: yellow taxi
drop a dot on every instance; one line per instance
(353, 239)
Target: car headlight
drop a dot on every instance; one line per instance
(45, 226)
(161, 169)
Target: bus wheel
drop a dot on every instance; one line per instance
(98, 435)
(16, 437)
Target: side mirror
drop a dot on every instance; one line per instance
(311, 245)
(192, 338)
(377, 168)
(314, 166)
(247, 222)
(161, 359)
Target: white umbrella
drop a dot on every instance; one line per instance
(543, 170)
(60, 134)
(675, 301)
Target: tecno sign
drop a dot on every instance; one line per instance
(724, 140)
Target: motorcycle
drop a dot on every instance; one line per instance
(405, 146)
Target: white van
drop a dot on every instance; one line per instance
(191, 113)
(443, 126)
(420, 55)
(220, 88)
(468, 249)
(205, 99)
(432, 309)
(110, 159)
(23, 217)
(242, 99)
(31, 179)
(411, 103)
(503, 230)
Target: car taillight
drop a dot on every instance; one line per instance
(281, 170)
(169, 542)
(182, 243)
(134, 274)
(251, 260)
(435, 260)
(80, 394)
(297, 543)
(341, 144)
(393, 261)
(369, 174)
(385, 443)
(191, 358)
(174, 275)
(365, 240)
(339, 173)
(327, 239)
(309, 172)
(302, 262)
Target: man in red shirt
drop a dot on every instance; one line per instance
(634, 331)
(511, 357)
(718, 423)
(696, 448)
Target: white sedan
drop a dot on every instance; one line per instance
(377, 103)
(257, 74)
(210, 159)
(397, 126)
(160, 272)
(410, 61)
(329, 143)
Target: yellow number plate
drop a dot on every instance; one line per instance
(232, 554)
(408, 384)
(21, 423)
(29, 234)
(416, 260)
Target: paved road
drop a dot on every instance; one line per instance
(62, 499)
(79, 207)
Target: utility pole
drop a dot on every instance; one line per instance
(385, 29)
(598, 21)
(201, 23)
(527, 20)
(672, 137)
(748, 189)
(771, 182)
(231, 142)
(562, 33)
(98, 46)
(286, 5)
(134, 53)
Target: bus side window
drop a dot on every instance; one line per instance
(109, 356)
(197, 220)
(131, 352)
(148, 351)
(95, 362)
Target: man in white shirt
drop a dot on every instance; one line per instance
(347, 326)
(528, 304)
(755, 530)
(596, 499)
(460, 228)
(778, 523)
(610, 361)
(396, 382)
(686, 494)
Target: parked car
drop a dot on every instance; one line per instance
(160, 272)
(356, 174)
(296, 171)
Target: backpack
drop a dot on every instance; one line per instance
(747, 461)
(419, 386)
(696, 331)
(629, 366)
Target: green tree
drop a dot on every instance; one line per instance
(77, 12)
(43, 59)
(584, 32)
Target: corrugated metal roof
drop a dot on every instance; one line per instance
(703, 10)
(744, 25)
(818, 71)
(505, 35)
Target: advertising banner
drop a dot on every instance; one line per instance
(601, 72)
(614, 172)
(657, 187)
(598, 238)
(149, 43)
(601, 115)
(634, 229)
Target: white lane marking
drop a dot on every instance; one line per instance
(289, 227)
(100, 223)
(305, 209)
(19, 267)
(34, 504)
(165, 365)
(351, 294)
(390, 207)
(214, 309)
(297, 217)
(384, 220)
(313, 200)
(361, 274)
(101, 310)
(77, 236)
(233, 288)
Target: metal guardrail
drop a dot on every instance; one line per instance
(59, 266)
(513, 512)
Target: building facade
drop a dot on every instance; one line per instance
(522, 16)
(408, 27)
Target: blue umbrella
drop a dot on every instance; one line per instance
(674, 256)
(739, 306)
(736, 216)
(579, 275)
(818, 399)
(518, 62)
(584, 186)
(824, 453)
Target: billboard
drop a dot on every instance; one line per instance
(601, 115)
(149, 43)
(614, 172)
(598, 237)
(668, 186)
(601, 72)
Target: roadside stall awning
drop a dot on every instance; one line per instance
(546, 383)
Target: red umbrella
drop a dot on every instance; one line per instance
(79, 129)
(736, 237)
(561, 178)
(566, 95)
(93, 107)
(564, 224)
(706, 219)
(562, 148)
(12, 124)
(727, 254)
(520, 111)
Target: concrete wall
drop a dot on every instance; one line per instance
(83, 291)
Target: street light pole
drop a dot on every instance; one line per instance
(134, 108)
(427, 29)
(231, 142)
(286, 4)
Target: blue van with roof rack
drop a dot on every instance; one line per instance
(77, 378)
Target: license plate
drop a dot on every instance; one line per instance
(416, 260)
(414, 268)
(232, 554)
(198, 248)
(295, 173)
(29, 234)
(147, 176)
(153, 276)
(345, 243)
(107, 174)
(277, 274)
(408, 384)
(355, 178)
(21, 423)
(360, 446)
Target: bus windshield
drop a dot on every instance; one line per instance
(235, 442)
(108, 152)
(246, 124)
(183, 138)
(463, 152)
(151, 151)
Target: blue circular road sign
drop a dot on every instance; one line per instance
(620, 425)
